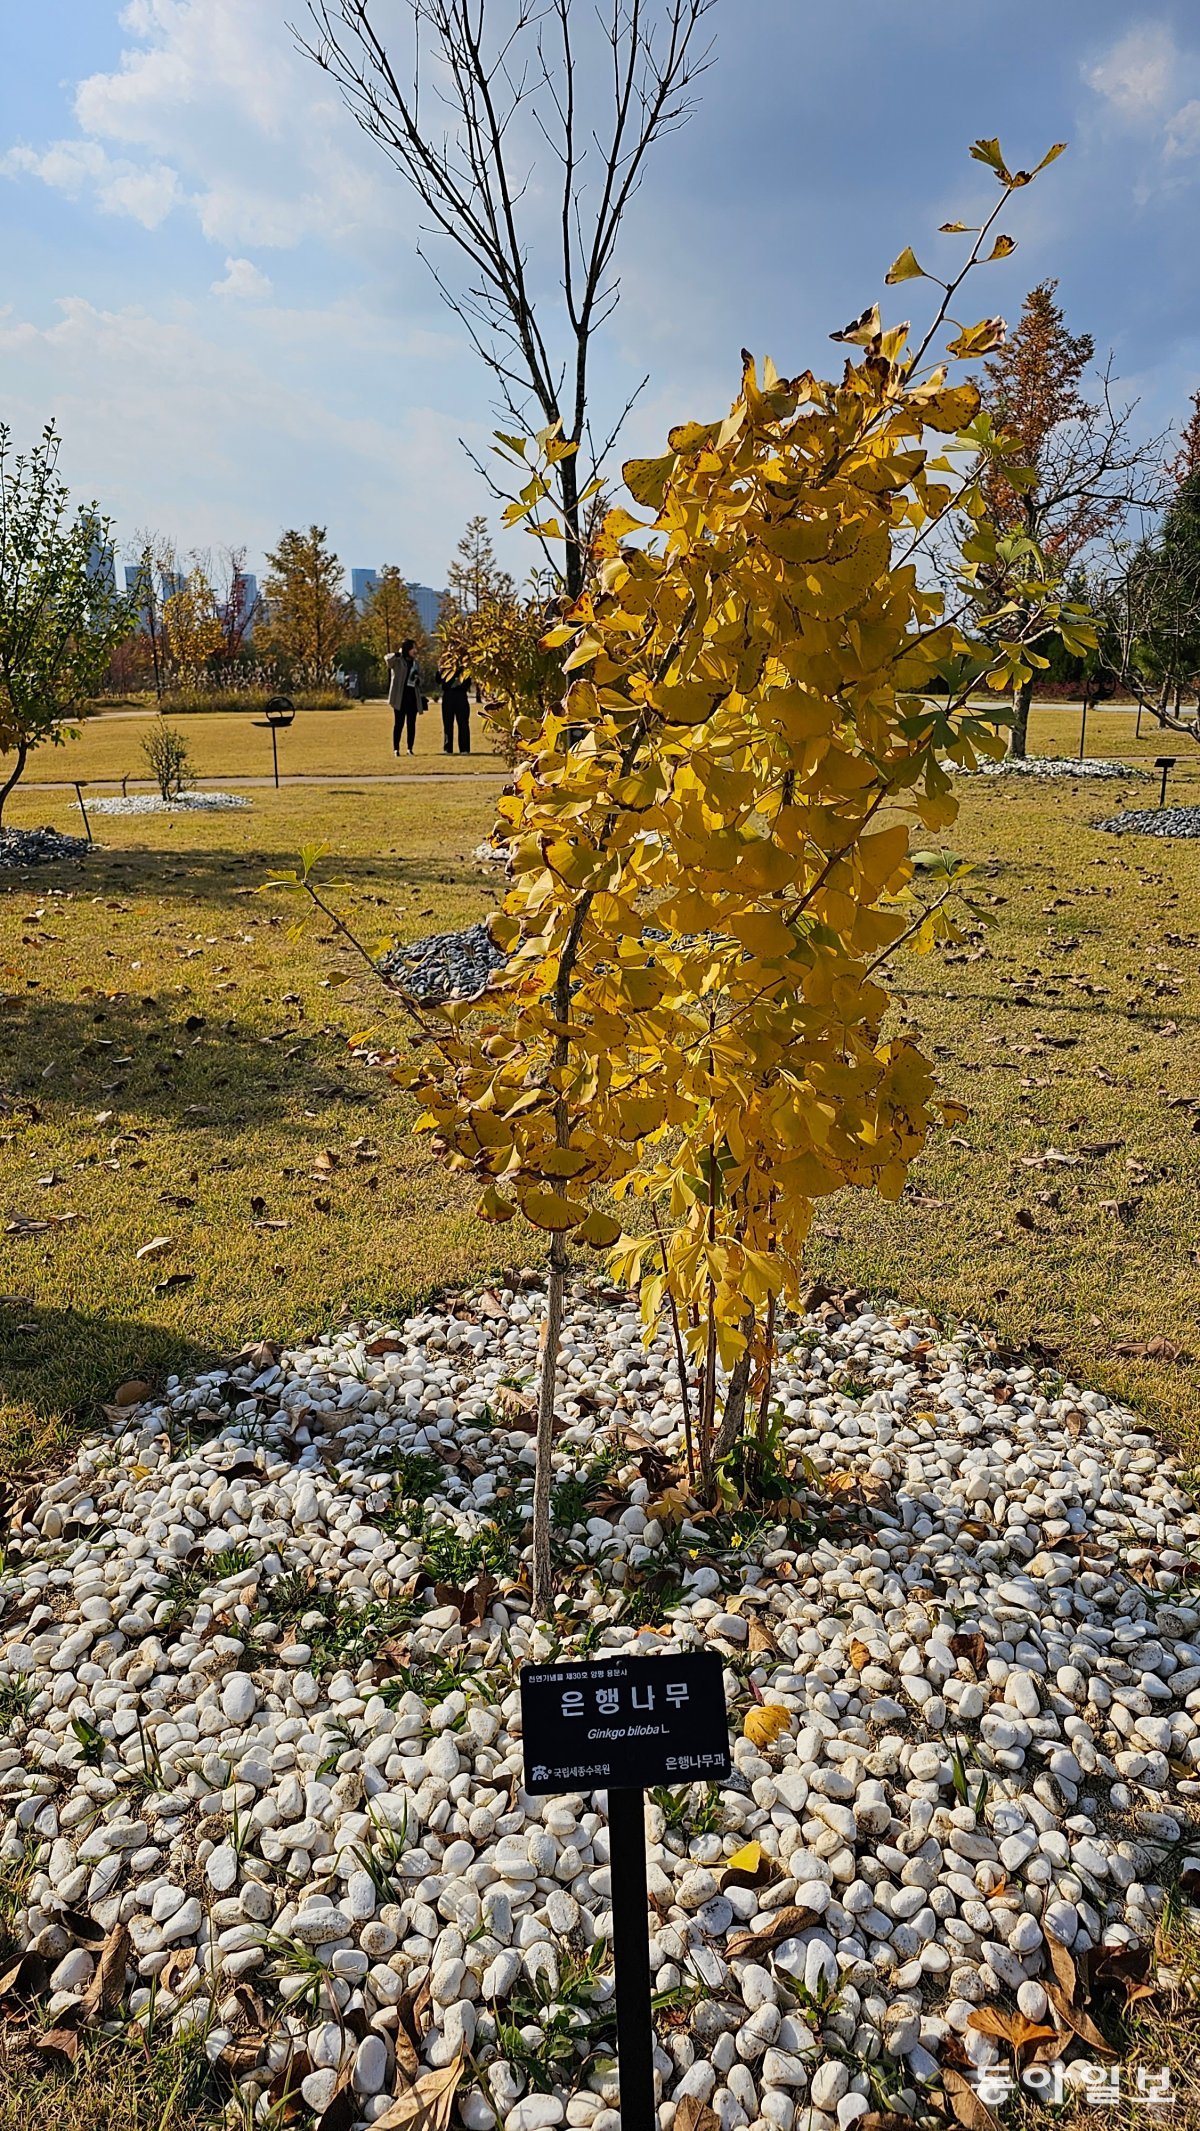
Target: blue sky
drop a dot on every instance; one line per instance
(211, 279)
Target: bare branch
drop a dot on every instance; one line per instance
(470, 173)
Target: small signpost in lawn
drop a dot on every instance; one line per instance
(621, 1725)
(1166, 764)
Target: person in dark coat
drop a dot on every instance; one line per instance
(456, 712)
(404, 693)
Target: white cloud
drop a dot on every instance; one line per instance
(243, 279)
(212, 108)
(1183, 132)
(216, 425)
(1137, 74)
(146, 192)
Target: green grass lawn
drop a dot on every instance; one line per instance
(175, 1064)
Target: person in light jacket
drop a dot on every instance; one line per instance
(404, 693)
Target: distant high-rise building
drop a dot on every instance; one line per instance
(427, 604)
(362, 583)
(171, 582)
(101, 565)
(248, 612)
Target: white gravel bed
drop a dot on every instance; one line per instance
(154, 803)
(263, 1717)
(1045, 766)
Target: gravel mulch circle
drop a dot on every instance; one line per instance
(446, 965)
(258, 1661)
(1050, 766)
(154, 803)
(1154, 821)
(37, 847)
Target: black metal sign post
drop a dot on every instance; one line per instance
(621, 1725)
(277, 714)
(1166, 764)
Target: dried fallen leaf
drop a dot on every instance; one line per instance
(1129, 1969)
(965, 2105)
(472, 1602)
(859, 1654)
(784, 1924)
(25, 1976)
(343, 2107)
(1077, 2021)
(1063, 1966)
(1155, 1349)
(761, 1642)
(130, 1393)
(1011, 2027)
(108, 1982)
(60, 2041)
(157, 1247)
(414, 2009)
(972, 1644)
(517, 1408)
(692, 2114)
(428, 2104)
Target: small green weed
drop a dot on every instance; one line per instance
(572, 2024)
(336, 1630)
(92, 1743)
(958, 1777)
(570, 1497)
(646, 1602)
(687, 1813)
(381, 1857)
(17, 1698)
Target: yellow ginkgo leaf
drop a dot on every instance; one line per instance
(749, 1867)
(765, 1722)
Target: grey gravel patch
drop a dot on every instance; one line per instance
(1154, 821)
(446, 965)
(37, 847)
(154, 803)
(1051, 766)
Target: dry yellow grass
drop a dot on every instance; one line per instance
(353, 742)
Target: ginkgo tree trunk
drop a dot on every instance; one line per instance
(711, 882)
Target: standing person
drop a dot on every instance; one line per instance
(456, 712)
(404, 693)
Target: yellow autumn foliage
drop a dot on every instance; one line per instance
(713, 839)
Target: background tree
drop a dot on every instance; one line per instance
(308, 615)
(500, 645)
(517, 85)
(193, 620)
(1147, 595)
(60, 615)
(1078, 469)
(475, 575)
(389, 616)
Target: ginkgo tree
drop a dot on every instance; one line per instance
(713, 875)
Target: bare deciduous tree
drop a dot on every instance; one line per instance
(464, 115)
